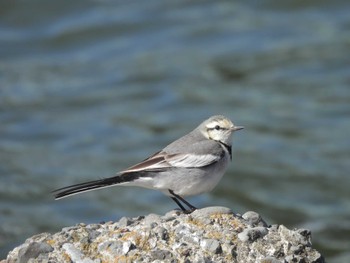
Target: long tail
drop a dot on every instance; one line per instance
(93, 185)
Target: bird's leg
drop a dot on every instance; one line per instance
(178, 203)
(176, 198)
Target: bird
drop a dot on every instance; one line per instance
(191, 165)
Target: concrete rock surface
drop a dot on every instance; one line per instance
(212, 234)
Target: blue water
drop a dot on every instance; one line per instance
(88, 88)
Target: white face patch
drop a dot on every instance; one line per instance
(221, 123)
(219, 130)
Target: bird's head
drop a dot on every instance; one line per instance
(219, 128)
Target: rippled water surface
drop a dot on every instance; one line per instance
(88, 88)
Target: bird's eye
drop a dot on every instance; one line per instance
(217, 127)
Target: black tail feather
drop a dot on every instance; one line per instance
(92, 185)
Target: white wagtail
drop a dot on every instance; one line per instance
(191, 165)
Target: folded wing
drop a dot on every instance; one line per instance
(162, 161)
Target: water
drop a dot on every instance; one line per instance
(91, 87)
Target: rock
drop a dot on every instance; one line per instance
(254, 219)
(212, 234)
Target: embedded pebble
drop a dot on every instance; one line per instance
(127, 246)
(270, 260)
(162, 233)
(211, 245)
(171, 215)
(124, 222)
(75, 254)
(205, 212)
(251, 234)
(33, 250)
(254, 219)
(152, 220)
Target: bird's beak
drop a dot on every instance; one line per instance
(237, 128)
